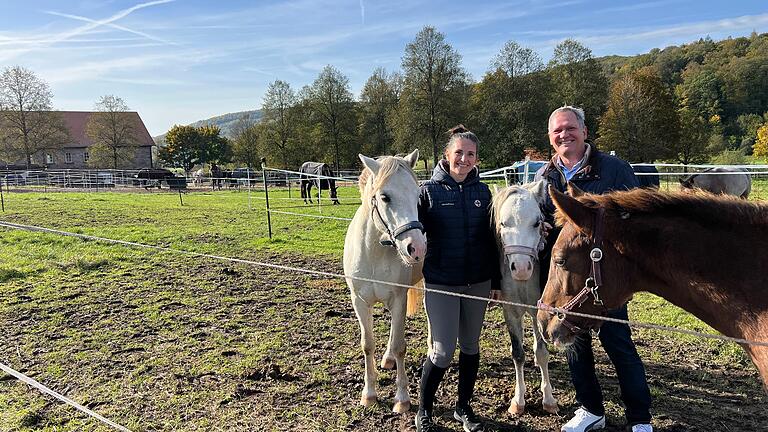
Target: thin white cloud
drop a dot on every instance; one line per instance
(115, 26)
(35, 43)
(362, 12)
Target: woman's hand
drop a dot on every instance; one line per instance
(495, 296)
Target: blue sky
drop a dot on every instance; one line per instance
(178, 61)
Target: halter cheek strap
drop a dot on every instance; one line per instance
(397, 232)
(591, 285)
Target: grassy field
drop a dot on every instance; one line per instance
(166, 341)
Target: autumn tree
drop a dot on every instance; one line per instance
(509, 106)
(333, 108)
(760, 148)
(435, 92)
(377, 110)
(578, 79)
(641, 122)
(245, 145)
(279, 123)
(27, 123)
(112, 129)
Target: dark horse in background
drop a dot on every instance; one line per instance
(309, 172)
(704, 253)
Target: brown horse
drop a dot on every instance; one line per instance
(704, 253)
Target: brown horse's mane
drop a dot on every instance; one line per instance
(703, 207)
(389, 165)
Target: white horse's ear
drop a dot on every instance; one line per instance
(412, 158)
(371, 164)
(495, 189)
(540, 191)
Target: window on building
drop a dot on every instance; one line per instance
(48, 158)
(86, 156)
(68, 157)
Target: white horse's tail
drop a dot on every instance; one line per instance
(415, 294)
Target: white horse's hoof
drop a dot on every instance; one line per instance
(401, 407)
(388, 363)
(516, 409)
(368, 401)
(550, 408)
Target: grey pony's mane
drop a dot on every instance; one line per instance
(501, 196)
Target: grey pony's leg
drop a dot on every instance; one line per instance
(367, 342)
(513, 317)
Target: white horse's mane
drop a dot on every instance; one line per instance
(370, 184)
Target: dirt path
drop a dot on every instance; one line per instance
(173, 343)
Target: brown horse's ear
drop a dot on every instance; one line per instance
(576, 212)
(575, 191)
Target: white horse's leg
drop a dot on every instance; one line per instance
(396, 351)
(542, 361)
(513, 317)
(367, 342)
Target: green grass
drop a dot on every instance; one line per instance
(165, 341)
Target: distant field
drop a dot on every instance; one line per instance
(159, 341)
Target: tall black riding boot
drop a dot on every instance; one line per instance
(431, 375)
(468, 366)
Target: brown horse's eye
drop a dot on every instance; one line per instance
(559, 262)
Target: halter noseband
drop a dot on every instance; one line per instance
(392, 234)
(591, 285)
(526, 250)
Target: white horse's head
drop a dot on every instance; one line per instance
(390, 194)
(518, 219)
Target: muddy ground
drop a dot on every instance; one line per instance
(177, 343)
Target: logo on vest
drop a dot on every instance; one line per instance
(478, 203)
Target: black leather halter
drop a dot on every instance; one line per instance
(591, 285)
(392, 234)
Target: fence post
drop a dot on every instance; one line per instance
(288, 182)
(2, 199)
(248, 174)
(266, 194)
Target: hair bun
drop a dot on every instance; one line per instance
(457, 129)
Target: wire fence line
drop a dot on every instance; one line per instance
(31, 382)
(637, 324)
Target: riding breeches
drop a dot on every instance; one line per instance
(453, 319)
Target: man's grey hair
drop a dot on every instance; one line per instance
(578, 112)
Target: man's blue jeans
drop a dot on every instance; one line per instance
(617, 341)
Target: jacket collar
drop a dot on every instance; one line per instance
(441, 175)
(589, 169)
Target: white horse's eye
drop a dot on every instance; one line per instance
(537, 224)
(384, 198)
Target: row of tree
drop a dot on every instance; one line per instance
(688, 104)
(684, 104)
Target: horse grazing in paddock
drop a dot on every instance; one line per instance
(519, 223)
(217, 177)
(704, 253)
(385, 242)
(729, 184)
(309, 172)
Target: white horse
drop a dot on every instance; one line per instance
(519, 225)
(198, 177)
(385, 242)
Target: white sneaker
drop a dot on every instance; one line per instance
(583, 421)
(642, 428)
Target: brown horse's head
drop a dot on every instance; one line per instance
(584, 227)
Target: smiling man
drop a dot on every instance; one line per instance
(579, 162)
